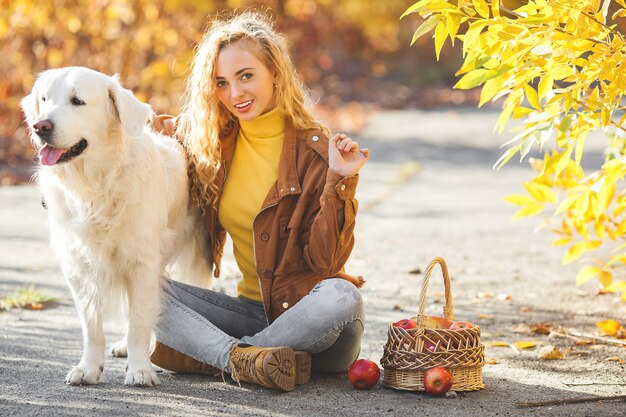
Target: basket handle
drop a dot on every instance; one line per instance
(447, 309)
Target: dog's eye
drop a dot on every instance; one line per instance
(77, 102)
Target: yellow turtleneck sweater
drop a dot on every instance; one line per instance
(253, 171)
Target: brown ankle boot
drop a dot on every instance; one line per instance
(271, 367)
(172, 360)
(303, 367)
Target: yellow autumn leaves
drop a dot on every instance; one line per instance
(611, 328)
(558, 65)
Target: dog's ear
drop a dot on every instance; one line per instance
(132, 113)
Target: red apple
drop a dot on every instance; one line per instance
(461, 325)
(435, 322)
(429, 346)
(363, 374)
(406, 324)
(437, 381)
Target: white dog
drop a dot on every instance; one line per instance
(118, 206)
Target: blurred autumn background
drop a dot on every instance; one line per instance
(353, 55)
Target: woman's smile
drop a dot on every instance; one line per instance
(244, 106)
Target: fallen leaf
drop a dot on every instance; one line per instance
(36, 306)
(550, 353)
(496, 343)
(615, 359)
(525, 309)
(541, 328)
(416, 271)
(491, 362)
(584, 342)
(558, 331)
(522, 328)
(610, 327)
(526, 344)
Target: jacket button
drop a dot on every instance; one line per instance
(292, 189)
(343, 187)
(285, 304)
(265, 237)
(315, 138)
(268, 273)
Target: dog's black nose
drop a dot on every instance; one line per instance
(43, 129)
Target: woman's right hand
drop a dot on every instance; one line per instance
(344, 155)
(163, 123)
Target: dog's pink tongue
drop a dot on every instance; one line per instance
(49, 155)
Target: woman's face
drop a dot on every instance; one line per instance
(243, 83)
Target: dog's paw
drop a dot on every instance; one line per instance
(142, 377)
(80, 375)
(119, 349)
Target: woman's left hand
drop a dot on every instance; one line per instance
(344, 155)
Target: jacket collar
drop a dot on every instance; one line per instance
(287, 182)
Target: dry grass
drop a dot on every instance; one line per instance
(27, 297)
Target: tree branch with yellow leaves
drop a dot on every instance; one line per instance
(558, 66)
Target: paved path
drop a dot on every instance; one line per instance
(428, 191)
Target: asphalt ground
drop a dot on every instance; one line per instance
(428, 191)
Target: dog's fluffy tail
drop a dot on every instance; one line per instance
(194, 263)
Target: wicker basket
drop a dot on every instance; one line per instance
(405, 360)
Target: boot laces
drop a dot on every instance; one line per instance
(245, 367)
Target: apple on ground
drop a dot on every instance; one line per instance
(406, 324)
(437, 381)
(363, 374)
(461, 325)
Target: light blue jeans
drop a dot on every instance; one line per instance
(204, 324)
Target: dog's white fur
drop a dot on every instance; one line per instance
(119, 213)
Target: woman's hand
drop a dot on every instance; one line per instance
(344, 155)
(163, 123)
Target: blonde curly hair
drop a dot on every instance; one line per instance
(204, 119)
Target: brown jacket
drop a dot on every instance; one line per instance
(304, 231)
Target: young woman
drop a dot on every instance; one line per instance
(267, 175)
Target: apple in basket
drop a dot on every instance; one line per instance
(437, 381)
(429, 347)
(435, 322)
(461, 325)
(406, 324)
(363, 374)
